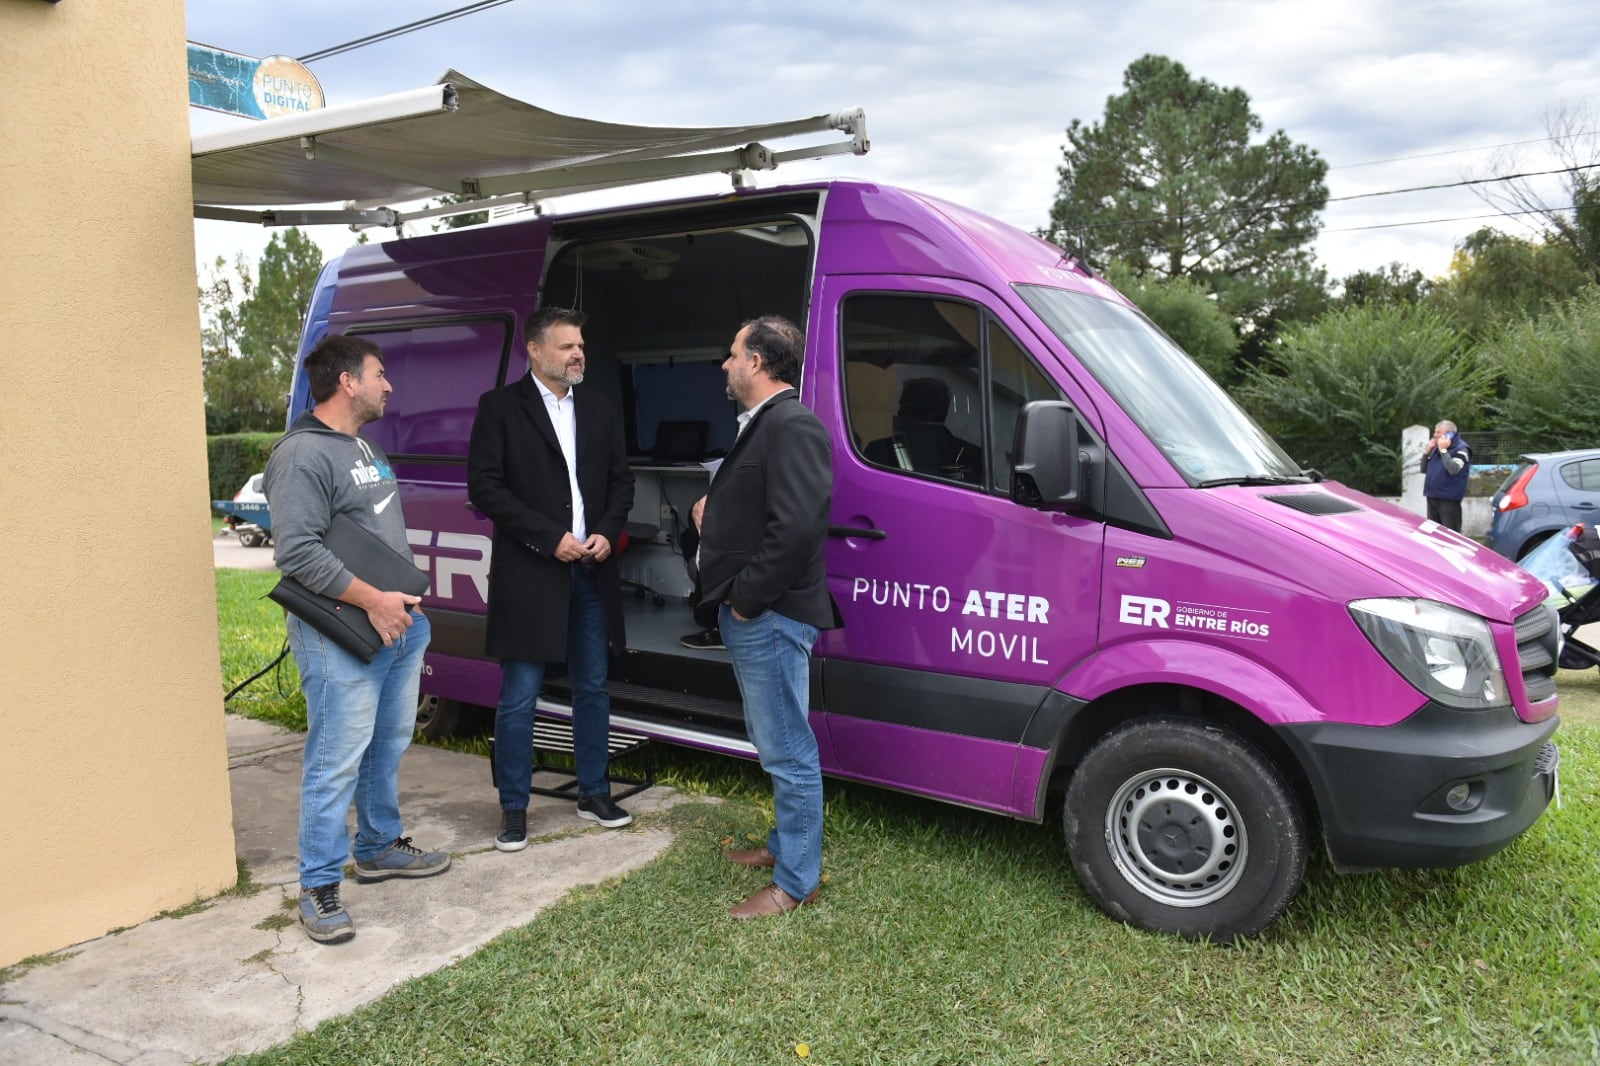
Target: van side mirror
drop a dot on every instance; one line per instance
(1046, 469)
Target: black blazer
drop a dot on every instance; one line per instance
(517, 476)
(766, 518)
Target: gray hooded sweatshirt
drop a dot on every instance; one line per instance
(316, 472)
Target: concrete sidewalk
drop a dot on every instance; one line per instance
(240, 974)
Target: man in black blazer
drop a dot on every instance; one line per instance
(548, 464)
(762, 530)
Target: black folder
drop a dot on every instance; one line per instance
(367, 557)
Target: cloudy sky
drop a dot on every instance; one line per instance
(970, 101)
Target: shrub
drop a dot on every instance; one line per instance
(1338, 391)
(1551, 367)
(234, 457)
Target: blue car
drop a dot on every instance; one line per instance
(1547, 491)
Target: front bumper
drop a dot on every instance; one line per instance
(1382, 791)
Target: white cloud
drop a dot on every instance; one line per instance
(969, 102)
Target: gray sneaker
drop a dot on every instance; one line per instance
(400, 859)
(325, 919)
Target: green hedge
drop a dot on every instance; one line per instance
(233, 457)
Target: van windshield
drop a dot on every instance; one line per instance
(1209, 440)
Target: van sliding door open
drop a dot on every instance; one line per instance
(664, 300)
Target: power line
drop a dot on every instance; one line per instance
(1337, 199)
(399, 31)
(1459, 184)
(1431, 221)
(1459, 151)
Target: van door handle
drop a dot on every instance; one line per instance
(857, 531)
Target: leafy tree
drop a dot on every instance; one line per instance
(1392, 284)
(248, 346)
(229, 390)
(1338, 391)
(1574, 221)
(1495, 277)
(1187, 313)
(1551, 370)
(1170, 183)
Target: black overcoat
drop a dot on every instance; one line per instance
(517, 476)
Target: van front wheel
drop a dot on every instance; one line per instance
(1185, 828)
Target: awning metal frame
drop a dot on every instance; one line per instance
(503, 180)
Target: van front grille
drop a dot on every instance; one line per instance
(1537, 635)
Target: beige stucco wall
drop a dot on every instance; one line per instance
(113, 759)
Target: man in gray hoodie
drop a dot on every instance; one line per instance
(360, 716)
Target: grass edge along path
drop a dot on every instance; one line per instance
(949, 936)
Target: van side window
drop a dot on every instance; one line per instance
(914, 387)
(1013, 381)
(438, 370)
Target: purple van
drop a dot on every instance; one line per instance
(1067, 563)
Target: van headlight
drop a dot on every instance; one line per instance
(1447, 653)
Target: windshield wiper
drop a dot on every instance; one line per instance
(1255, 479)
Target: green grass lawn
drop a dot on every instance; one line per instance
(947, 936)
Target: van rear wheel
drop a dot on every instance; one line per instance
(1184, 828)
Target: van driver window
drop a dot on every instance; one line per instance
(914, 386)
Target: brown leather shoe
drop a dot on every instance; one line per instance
(753, 857)
(771, 900)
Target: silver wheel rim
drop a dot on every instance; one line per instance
(1176, 837)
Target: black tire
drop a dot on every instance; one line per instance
(1533, 542)
(439, 718)
(1185, 828)
(249, 539)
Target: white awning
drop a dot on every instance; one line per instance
(462, 138)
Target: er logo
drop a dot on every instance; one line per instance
(1145, 611)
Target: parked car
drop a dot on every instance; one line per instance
(1547, 491)
(248, 521)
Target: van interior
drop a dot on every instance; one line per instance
(663, 303)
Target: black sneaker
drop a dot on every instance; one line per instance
(513, 831)
(706, 640)
(324, 917)
(601, 809)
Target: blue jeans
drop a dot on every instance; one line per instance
(360, 718)
(772, 661)
(587, 655)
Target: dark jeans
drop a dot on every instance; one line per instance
(1445, 512)
(591, 706)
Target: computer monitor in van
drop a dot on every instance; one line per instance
(680, 441)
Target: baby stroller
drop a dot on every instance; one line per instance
(1569, 565)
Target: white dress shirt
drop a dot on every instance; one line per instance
(565, 420)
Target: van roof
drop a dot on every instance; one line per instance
(868, 228)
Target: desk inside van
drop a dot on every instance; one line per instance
(663, 493)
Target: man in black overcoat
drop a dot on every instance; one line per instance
(547, 463)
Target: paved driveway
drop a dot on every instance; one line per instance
(227, 551)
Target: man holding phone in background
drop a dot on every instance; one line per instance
(1446, 465)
